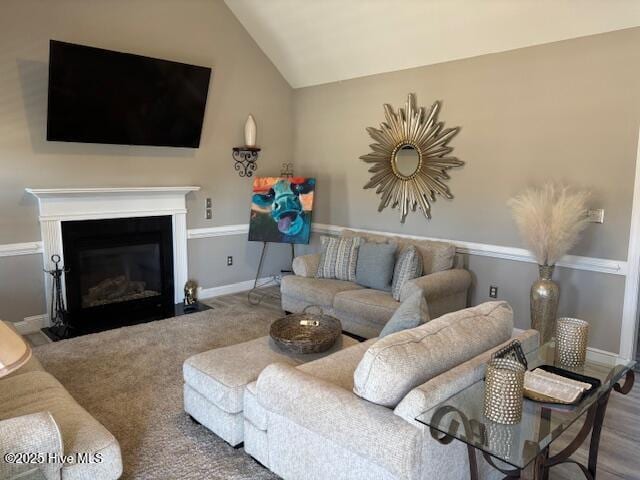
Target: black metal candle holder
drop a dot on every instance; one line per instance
(245, 158)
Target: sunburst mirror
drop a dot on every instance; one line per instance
(410, 158)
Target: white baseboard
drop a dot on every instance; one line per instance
(602, 356)
(228, 289)
(31, 324)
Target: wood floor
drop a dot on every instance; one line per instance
(619, 456)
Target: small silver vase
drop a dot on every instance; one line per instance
(545, 294)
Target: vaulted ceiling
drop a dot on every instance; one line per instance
(319, 41)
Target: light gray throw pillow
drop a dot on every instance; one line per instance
(411, 313)
(375, 265)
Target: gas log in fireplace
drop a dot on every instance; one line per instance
(120, 271)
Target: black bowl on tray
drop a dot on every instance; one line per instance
(305, 332)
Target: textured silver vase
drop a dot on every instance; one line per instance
(545, 294)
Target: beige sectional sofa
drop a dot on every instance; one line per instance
(365, 311)
(306, 422)
(38, 415)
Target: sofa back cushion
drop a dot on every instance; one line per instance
(397, 363)
(436, 256)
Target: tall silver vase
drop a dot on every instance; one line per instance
(545, 294)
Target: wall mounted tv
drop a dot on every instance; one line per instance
(101, 96)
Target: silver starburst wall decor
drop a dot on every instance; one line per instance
(410, 158)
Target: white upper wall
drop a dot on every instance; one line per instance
(319, 41)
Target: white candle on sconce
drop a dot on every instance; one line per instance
(250, 131)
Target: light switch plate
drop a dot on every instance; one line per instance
(208, 202)
(208, 214)
(596, 215)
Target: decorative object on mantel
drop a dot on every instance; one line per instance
(57, 311)
(410, 158)
(503, 396)
(572, 337)
(250, 130)
(245, 158)
(190, 295)
(550, 220)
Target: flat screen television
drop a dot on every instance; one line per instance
(102, 96)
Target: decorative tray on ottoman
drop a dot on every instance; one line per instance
(306, 332)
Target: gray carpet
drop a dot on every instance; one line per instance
(130, 379)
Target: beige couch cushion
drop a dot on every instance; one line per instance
(374, 305)
(315, 291)
(436, 256)
(338, 368)
(395, 364)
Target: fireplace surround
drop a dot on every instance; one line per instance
(61, 208)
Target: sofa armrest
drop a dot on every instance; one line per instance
(444, 386)
(341, 417)
(36, 433)
(306, 265)
(439, 284)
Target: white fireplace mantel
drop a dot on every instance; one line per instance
(63, 204)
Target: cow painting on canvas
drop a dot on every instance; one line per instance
(281, 209)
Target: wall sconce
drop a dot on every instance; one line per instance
(246, 157)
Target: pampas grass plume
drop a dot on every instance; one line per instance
(550, 220)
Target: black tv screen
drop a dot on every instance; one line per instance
(102, 96)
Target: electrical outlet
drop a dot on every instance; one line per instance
(229, 260)
(208, 203)
(595, 215)
(493, 291)
(208, 214)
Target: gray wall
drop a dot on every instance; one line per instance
(202, 32)
(566, 111)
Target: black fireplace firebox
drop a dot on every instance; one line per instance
(120, 271)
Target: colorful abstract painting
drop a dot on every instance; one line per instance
(281, 209)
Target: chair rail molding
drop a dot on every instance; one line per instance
(15, 249)
(219, 231)
(602, 265)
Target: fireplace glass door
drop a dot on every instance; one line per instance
(119, 274)
(119, 271)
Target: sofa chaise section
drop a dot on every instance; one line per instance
(307, 422)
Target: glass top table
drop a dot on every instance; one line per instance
(461, 417)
